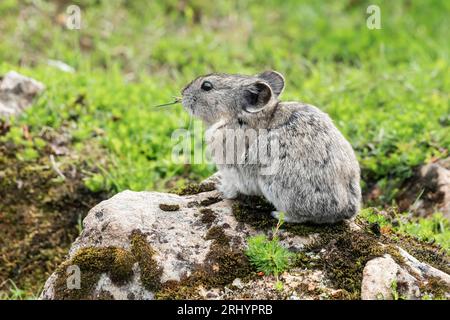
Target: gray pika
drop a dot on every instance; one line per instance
(316, 177)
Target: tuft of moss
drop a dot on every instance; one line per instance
(210, 200)
(169, 207)
(217, 233)
(194, 188)
(143, 253)
(207, 216)
(223, 265)
(255, 211)
(115, 262)
(301, 260)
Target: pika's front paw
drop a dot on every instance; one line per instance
(228, 191)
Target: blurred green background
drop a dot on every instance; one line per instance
(387, 90)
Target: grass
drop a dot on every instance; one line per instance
(387, 90)
(435, 228)
(268, 255)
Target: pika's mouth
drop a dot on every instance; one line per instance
(188, 103)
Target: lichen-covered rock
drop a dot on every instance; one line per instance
(132, 247)
(16, 93)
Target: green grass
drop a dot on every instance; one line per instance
(268, 255)
(435, 228)
(387, 89)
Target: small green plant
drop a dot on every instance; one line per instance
(394, 290)
(14, 293)
(268, 255)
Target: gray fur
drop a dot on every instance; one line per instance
(318, 175)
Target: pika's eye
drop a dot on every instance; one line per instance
(206, 86)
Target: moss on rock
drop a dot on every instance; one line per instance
(194, 188)
(435, 288)
(143, 253)
(207, 216)
(169, 207)
(116, 263)
(343, 251)
(221, 266)
(217, 233)
(93, 262)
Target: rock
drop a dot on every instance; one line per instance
(16, 93)
(383, 278)
(130, 248)
(379, 278)
(428, 190)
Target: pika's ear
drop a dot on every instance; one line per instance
(256, 96)
(274, 79)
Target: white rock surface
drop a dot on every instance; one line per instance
(17, 93)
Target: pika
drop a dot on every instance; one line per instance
(316, 176)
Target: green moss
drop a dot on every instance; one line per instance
(301, 260)
(169, 207)
(115, 262)
(143, 253)
(346, 256)
(194, 188)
